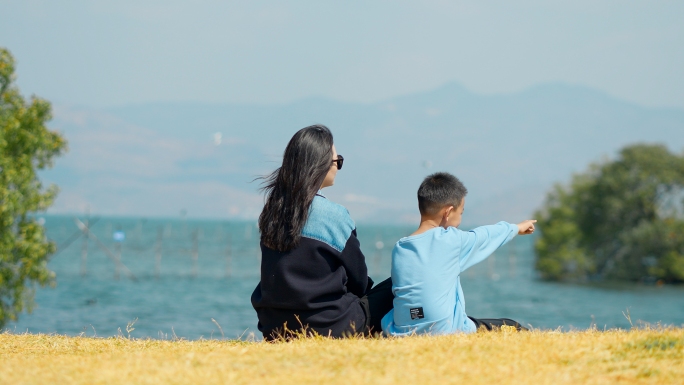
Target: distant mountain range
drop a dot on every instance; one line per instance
(160, 158)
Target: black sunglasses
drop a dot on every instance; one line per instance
(339, 161)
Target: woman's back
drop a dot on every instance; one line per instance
(318, 283)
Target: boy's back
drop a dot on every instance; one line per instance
(426, 277)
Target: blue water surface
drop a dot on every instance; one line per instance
(193, 279)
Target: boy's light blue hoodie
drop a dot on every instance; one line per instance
(426, 282)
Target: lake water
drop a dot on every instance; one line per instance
(189, 277)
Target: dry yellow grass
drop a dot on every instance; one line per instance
(583, 357)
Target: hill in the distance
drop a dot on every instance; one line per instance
(156, 159)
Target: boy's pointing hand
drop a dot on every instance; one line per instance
(526, 227)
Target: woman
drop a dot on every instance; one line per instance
(313, 274)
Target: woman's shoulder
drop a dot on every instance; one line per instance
(328, 222)
(323, 206)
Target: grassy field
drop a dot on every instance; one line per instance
(507, 357)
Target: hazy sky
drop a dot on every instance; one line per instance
(102, 54)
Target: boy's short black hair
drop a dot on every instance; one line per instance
(438, 190)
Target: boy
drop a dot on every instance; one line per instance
(426, 265)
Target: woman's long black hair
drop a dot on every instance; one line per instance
(291, 188)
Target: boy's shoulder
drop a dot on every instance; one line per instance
(450, 235)
(438, 233)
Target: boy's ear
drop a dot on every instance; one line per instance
(448, 211)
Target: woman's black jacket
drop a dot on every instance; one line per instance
(318, 284)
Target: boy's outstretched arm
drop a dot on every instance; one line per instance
(481, 242)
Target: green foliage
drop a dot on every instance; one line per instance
(620, 220)
(26, 146)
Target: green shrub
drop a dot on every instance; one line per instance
(621, 220)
